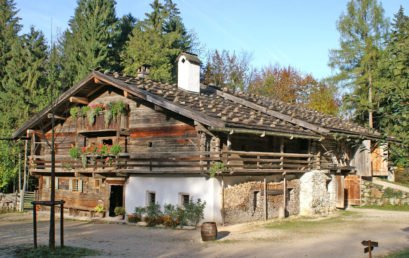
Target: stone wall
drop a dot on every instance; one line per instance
(9, 201)
(374, 194)
(317, 193)
(245, 201)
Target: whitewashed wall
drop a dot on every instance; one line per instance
(167, 190)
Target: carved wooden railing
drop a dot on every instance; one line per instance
(234, 162)
(116, 123)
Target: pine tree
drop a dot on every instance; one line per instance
(394, 88)
(9, 28)
(157, 41)
(88, 43)
(363, 29)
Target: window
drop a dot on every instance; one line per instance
(184, 199)
(76, 185)
(107, 141)
(150, 198)
(256, 195)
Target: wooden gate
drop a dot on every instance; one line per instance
(353, 189)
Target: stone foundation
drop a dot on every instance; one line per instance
(373, 194)
(245, 202)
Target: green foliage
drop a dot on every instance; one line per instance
(119, 211)
(393, 89)
(140, 211)
(399, 254)
(99, 208)
(88, 43)
(216, 168)
(107, 117)
(194, 211)
(230, 70)
(391, 193)
(387, 207)
(75, 112)
(45, 252)
(75, 152)
(116, 149)
(157, 41)
(363, 30)
(153, 215)
(171, 216)
(117, 108)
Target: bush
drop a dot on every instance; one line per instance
(119, 211)
(171, 216)
(134, 218)
(99, 208)
(115, 149)
(75, 153)
(194, 211)
(153, 215)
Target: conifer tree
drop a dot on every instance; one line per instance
(157, 41)
(393, 89)
(88, 43)
(363, 30)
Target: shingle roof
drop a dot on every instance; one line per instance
(211, 103)
(218, 109)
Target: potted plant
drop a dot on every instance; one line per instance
(99, 211)
(119, 212)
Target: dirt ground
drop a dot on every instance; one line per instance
(337, 236)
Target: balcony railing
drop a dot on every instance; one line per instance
(234, 162)
(115, 123)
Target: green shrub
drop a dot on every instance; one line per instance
(140, 211)
(194, 211)
(171, 216)
(75, 112)
(153, 215)
(116, 149)
(217, 168)
(75, 152)
(391, 193)
(99, 208)
(119, 211)
(134, 218)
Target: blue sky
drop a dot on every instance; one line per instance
(297, 33)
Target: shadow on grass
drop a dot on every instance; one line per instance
(28, 251)
(222, 234)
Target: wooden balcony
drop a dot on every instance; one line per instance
(234, 162)
(118, 123)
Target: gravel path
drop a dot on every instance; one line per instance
(334, 237)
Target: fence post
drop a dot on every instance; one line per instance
(62, 223)
(35, 224)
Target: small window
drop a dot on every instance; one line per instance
(150, 144)
(107, 141)
(184, 199)
(76, 185)
(150, 198)
(256, 195)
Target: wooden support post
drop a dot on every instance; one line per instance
(62, 223)
(285, 196)
(223, 214)
(282, 152)
(35, 224)
(265, 199)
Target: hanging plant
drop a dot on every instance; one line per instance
(116, 149)
(84, 110)
(75, 152)
(91, 114)
(118, 107)
(107, 117)
(75, 112)
(217, 168)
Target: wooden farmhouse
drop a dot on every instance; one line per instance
(130, 141)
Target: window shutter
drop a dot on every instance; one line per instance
(80, 185)
(70, 185)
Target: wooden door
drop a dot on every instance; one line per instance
(340, 192)
(353, 189)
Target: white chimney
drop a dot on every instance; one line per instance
(189, 72)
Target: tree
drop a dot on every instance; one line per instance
(231, 70)
(88, 43)
(9, 28)
(157, 41)
(393, 89)
(363, 29)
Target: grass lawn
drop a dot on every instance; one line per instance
(43, 251)
(400, 254)
(301, 223)
(386, 207)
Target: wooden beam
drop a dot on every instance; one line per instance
(200, 127)
(265, 198)
(49, 115)
(276, 114)
(80, 100)
(126, 94)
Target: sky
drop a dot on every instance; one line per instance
(293, 32)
